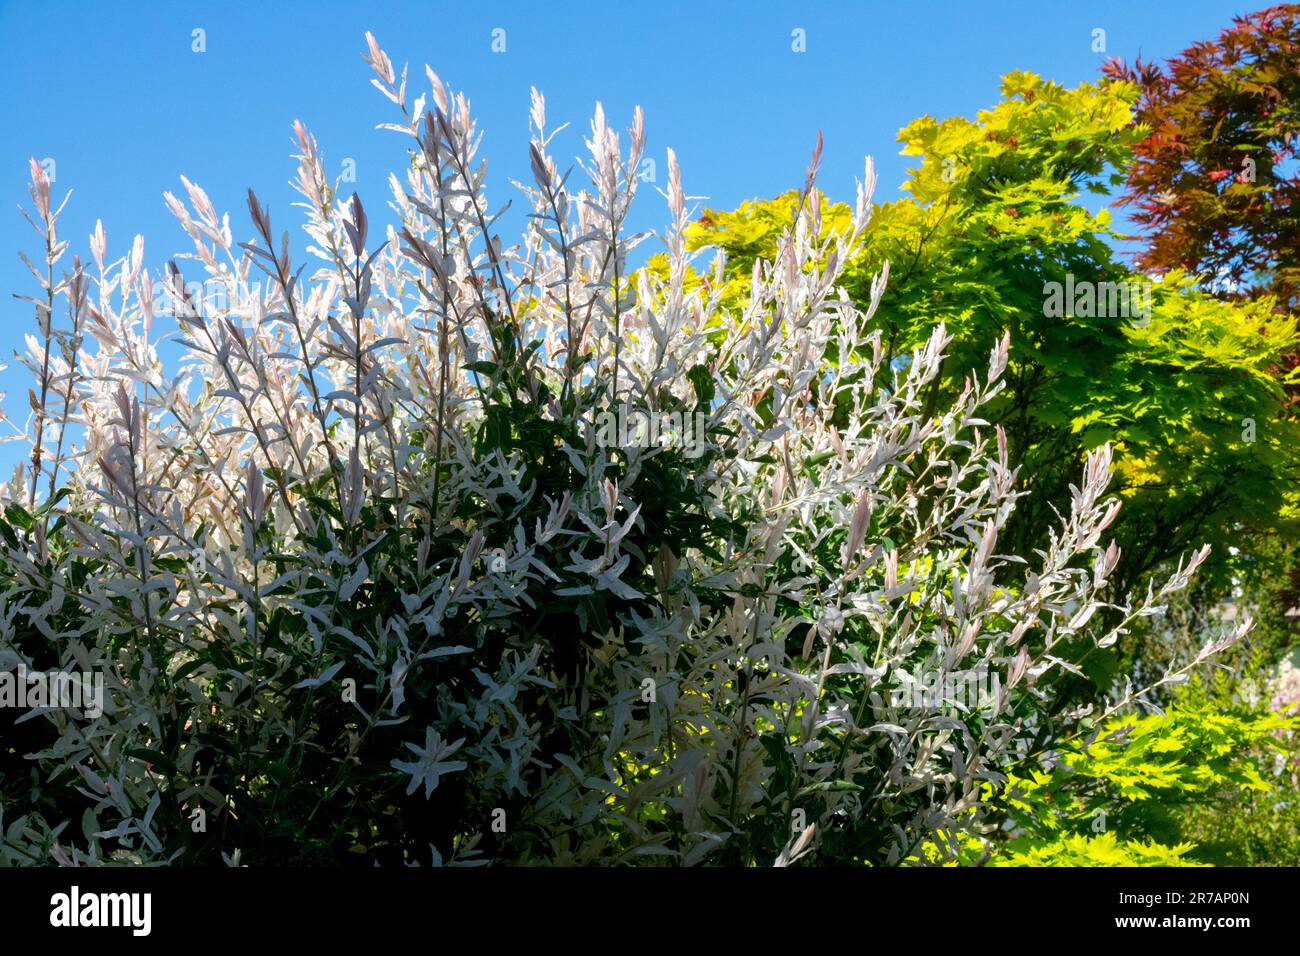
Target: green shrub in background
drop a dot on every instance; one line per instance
(1210, 781)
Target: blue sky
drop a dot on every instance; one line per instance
(115, 94)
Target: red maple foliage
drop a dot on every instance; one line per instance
(1214, 185)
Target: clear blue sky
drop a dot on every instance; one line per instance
(113, 92)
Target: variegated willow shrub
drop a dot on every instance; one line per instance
(367, 579)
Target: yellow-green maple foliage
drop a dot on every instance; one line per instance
(1188, 388)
